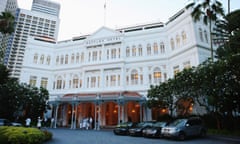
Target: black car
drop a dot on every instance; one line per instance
(123, 128)
(155, 130)
(137, 131)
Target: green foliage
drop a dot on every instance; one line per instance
(21, 135)
(21, 100)
(6, 23)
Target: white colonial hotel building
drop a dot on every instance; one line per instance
(106, 74)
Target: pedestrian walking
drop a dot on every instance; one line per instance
(39, 123)
(28, 122)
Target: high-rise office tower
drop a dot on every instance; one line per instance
(3, 4)
(40, 21)
(9, 6)
(46, 6)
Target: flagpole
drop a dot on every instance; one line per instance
(104, 23)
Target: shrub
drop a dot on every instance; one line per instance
(22, 135)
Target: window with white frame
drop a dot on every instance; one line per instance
(162, 47)
(33, 81)
(149, 49)
(77, 58)
(187, 64)
(140, 50)
(66, 59)
(59, 83)
(75, 82)
(134, 50)
(93, 82)
(82, 57)
(94, 56)
(42, 59)
(62, 59)
(72, 58)
(155, 48)
(178, 41)
(113, 53)
(172, 44)
(127, 52)
(113, 80)
(48, 60)
(176, 69)
(57, 60)
(134, 77)
(44, 82)
(35, 58)
(157, 75)
(184, 37)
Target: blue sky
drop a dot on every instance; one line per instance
(80, 17)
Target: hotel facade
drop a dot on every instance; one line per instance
(106, 75)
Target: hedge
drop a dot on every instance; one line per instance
(23, 135)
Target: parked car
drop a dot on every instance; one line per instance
(137, 131)
(123, 128)
(6, 122)
(183, 128)
(155, 130)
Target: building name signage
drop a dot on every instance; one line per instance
(103, 40)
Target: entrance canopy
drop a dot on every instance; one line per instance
(97, 98)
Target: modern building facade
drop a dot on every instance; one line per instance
(106, 75)
(6, 6)
(29, 23)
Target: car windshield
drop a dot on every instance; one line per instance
(159, 124)
(178, 122)
(125, 124)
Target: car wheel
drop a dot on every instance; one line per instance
(181, 136)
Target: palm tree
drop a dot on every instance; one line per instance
(6, 28)
(208, 10)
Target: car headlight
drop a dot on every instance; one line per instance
(138, 130)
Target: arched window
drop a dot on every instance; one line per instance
(172, 44)
(82, 57)
(155, 48)
(162, 47)
(140, 50)
(184, 37)
(134, 77)
(127, 52)
(42, 59)
(59, 82)
(62, 59)
(113, 53)
(77, 58)
(57, 60)
(72, 58)
(200, 34)
(75, 81)
(149, 49)
(134, 50)
(178, 41)
(66, 59)
(206, 36)
(48, 60)
(35, 58)
(157, 75)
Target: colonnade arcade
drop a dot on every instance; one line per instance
(106, 109)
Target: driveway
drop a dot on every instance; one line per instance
(68, 136)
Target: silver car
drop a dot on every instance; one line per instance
(183, 128)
